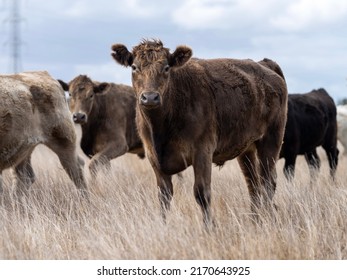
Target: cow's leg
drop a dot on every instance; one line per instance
(202, 165)
(289, 166)
(69, 160)
(268, 149)
(165, 194)
(66, 151)
(312, 159)
(333, 157)
(249, 165)
(98, 162)
(24, 175)
(313, 162)
(109, 152)
(330, 147)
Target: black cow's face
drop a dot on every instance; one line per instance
(151, 65)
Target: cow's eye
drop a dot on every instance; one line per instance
(166, 68)
(92, 95)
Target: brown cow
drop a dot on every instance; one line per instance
(33, 111)
(106, 112)
(198, 112)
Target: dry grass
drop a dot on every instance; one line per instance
(122, 219)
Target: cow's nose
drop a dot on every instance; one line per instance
(79, 118)
(150, 99)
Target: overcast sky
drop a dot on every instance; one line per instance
(308, 38)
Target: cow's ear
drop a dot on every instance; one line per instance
(64, 85)
(121, 54)
(100, 88)
(180, 56)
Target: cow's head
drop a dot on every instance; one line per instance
(82, 91)
(151, 65)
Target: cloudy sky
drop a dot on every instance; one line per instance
(308, 38)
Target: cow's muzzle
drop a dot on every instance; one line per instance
(150, 99)
(79, 118)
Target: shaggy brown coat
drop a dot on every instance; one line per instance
(33, 111)
(106, 112)
(198, 111)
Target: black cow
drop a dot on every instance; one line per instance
(311, 122)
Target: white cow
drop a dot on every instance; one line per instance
(33, 111)
(342, 126)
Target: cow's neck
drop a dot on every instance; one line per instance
(154, 129)
(87, 141)
(90, 130)
(98, 111)
(154, 120)
(159, 129)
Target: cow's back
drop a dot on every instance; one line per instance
(120, 100)
(325, 102)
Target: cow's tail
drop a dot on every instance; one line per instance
(268, 63)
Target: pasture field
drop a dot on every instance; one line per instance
(122, 219)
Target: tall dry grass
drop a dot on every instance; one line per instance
(122, 219)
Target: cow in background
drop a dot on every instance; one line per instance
(106, 113)
(342, 126)
(198, 112)
(33, 111)
(311, 122)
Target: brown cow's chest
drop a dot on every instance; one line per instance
(170, 157)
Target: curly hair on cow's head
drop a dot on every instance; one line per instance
(150, 44)
(150, 50)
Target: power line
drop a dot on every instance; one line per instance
(15, 42)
